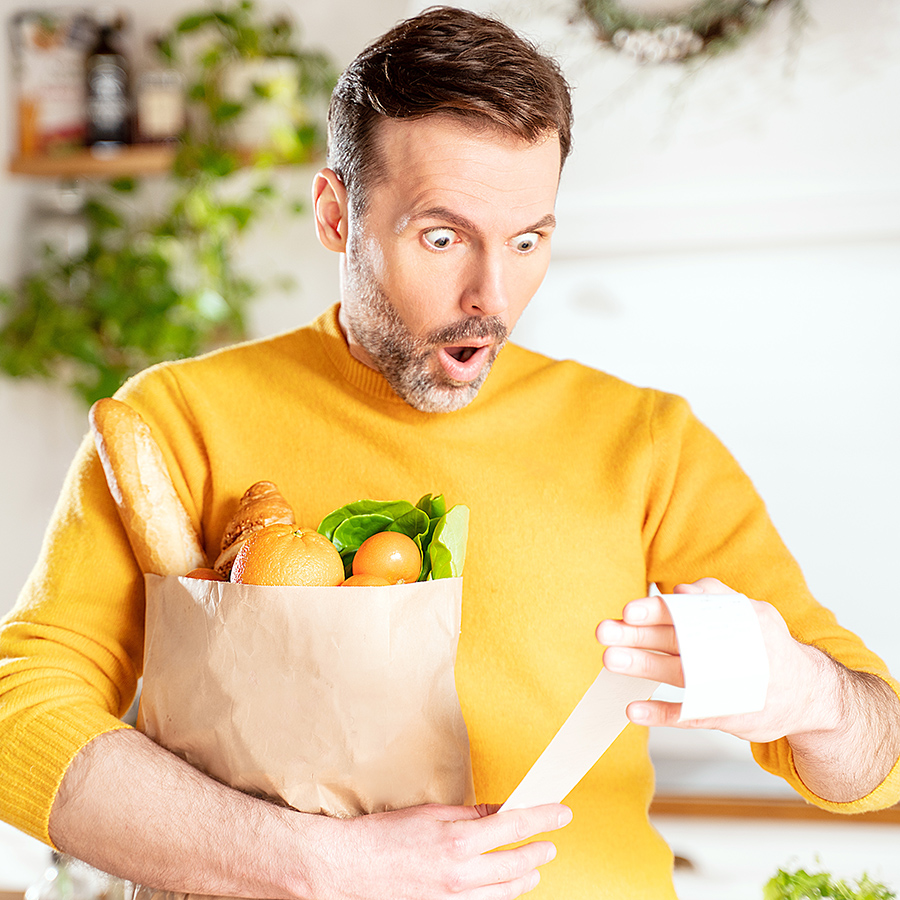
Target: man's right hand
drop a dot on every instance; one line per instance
(435, 852)
(131, 808)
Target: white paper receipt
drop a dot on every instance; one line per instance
(726, 668)
(597, 720)
(726, 672)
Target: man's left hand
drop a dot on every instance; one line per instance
(644, 644)
(843, 726)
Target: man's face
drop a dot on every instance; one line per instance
(453, 243)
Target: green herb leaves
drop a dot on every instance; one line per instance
(803, 885)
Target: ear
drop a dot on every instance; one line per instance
(329, 198)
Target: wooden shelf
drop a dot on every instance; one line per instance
(134, 160)
(762, 808)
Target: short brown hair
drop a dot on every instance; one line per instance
(445, 60)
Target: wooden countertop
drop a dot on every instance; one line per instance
(760, 808)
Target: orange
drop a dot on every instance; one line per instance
(205, 574)
(365, 581)
(391, 555)
(288, 554)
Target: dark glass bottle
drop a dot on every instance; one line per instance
(108, 91)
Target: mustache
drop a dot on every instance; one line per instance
(468, 329)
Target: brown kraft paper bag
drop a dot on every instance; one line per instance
(334, 700)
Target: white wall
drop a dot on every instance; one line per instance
(742, 247)
(734, 237)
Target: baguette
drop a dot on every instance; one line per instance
(159, 529)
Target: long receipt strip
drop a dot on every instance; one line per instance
(726, 672)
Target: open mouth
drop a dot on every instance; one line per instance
(464, 363)
(461, 354)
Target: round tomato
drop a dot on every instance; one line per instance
(391, 555)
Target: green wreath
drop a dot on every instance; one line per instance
(705, 29)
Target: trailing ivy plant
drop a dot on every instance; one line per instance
(157, 285)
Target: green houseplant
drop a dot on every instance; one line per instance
(803, 885)
(159, 285)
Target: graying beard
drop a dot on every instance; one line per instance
(397, 354)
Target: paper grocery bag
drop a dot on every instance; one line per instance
(338, 700)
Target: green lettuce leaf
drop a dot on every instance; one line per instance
(439, 532)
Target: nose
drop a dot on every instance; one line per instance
(485, 291)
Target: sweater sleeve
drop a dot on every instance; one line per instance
(705, 518)
(70, 649)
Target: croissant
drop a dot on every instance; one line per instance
(261, 505)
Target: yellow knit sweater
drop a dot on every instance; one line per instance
(582, 490)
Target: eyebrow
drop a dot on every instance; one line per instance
(454, 218)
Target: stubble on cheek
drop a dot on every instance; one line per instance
(407, 362)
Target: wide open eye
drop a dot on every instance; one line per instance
(439, 238)
(525, 243)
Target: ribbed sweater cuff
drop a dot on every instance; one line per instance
(43, 751)
(777, 757)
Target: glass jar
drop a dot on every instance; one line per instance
(64, 879)
(160, 106)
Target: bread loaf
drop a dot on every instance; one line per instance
(261, 505)
(162, 536)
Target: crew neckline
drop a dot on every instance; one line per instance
(372, 382)
(356, 373)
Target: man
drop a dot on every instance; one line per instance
(447, 139)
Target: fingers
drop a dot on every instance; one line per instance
(516, 825)
(615, 633)
(645, 664)
(703, 586)
(647, 622)
(440, 851)
(647, 611)
(663, 713)
(459, 813)
(486, 809)
(643, 643)
(507, 890)
(493, 874)
(654, 713)
(513, 867)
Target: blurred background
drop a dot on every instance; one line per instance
(729, 231)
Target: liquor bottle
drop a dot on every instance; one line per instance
(108, 98)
